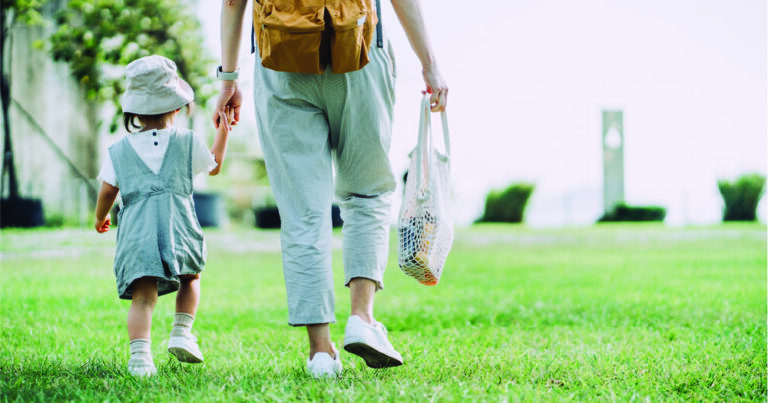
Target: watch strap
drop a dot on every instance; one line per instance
(232, 75)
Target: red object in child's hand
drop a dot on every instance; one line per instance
(103, 226)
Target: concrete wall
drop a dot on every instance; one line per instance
(47, 91)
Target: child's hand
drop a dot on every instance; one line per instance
(230, 116)
(102, 226)
(219, 148)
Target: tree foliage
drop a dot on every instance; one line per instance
(97, 38)
(25, 11)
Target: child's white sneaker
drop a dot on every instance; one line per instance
(370, 342)
(141, 367)
(323, 366)
(184, 347)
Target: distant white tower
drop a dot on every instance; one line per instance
(613, 159)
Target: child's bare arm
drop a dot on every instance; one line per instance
(107, 196)
(219, 148)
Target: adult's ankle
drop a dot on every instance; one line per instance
(367, 318)
(327, 349)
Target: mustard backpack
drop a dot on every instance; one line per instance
(305, 36)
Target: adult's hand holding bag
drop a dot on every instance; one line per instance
(425, 224)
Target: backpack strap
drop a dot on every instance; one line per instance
(379, 38)
(253, 35)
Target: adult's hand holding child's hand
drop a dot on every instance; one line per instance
(229, 97)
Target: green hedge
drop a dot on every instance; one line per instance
(507, 205)
(623, 212)
(741, 197)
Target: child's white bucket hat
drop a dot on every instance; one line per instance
(154, 87)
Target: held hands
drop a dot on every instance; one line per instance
(229, 102)
(229, 118)
(102, 226)
(226, 120)
(437, 87)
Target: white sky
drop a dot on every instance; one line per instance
(528, 81)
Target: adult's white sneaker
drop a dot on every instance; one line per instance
(370, 342)
(184, 347)
(323, 366)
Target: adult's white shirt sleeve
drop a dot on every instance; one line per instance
(202, 159)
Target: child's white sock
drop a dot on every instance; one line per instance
(141, 348)
(182, 324)
(141, 363)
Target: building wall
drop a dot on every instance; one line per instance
(47, 91)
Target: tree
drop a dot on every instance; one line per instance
(98, 37)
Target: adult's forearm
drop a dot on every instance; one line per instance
(411, 18)
(232, 12)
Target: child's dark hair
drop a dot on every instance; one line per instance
(129, 118)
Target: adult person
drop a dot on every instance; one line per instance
(309, 124)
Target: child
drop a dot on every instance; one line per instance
(160, 245)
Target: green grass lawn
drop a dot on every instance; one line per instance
(614, 312)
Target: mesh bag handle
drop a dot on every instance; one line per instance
(425, 144)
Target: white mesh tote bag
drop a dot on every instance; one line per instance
(425, 224)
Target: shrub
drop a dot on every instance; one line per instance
(741, 197)
(623, 212)
(507, 205)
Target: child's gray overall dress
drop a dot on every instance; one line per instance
(158, 233)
